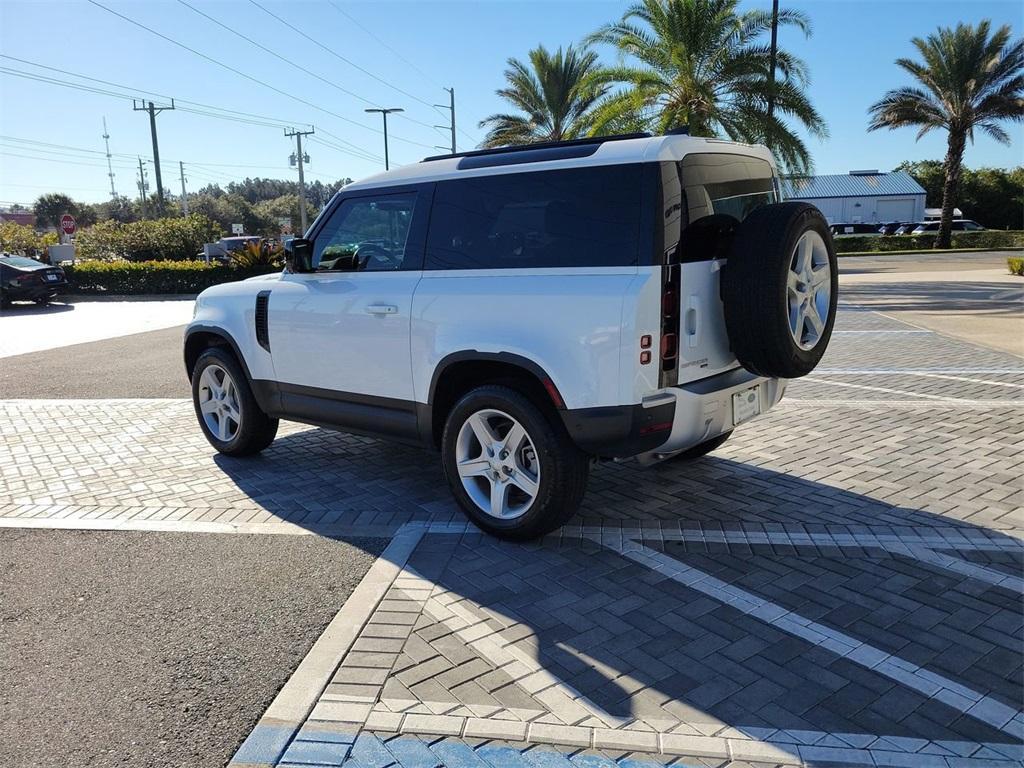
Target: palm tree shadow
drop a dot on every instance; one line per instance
(634, 645)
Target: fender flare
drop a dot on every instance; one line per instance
(510, 358)
(214, 330)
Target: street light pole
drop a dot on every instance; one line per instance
(772, 58)
(385, 113)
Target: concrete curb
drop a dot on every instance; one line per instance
(287, 713)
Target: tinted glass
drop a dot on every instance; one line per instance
(705, 197)
(372, 229)
(19, 261)
(568, 218)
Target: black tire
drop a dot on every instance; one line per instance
(563, 467)
(42, 301)
(701, 449)
(755, 293)
(255, 430)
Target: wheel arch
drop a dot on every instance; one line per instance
(201, 337)
(459, 372)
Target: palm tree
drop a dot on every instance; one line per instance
(555, 94)
(970, 80)
(701, 64)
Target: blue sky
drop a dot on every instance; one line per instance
(464, 44)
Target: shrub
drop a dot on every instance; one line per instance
(148, 277)
(17, 238)
(1016, 266)
(258, 255)
(177, 239)
(990, 238)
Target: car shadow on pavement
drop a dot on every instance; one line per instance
(652, 623)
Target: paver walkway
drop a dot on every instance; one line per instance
(840, 583)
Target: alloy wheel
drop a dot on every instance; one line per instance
(218, 403)
(809, 290)
(497, 464)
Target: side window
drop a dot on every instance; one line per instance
(565, 218)
(705, 196)
(372, 231)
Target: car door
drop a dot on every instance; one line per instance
(343, 335)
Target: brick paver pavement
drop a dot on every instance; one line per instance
(840, 582)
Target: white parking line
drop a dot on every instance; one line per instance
(891, 391)
(954, 695)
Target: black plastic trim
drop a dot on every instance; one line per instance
(498, 357)
(545, 154)
(617, 431)
(539, 145)
(262, 319)
(384, 417)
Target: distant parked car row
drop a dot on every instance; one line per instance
(902, 227)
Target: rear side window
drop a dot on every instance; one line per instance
(567, 218)
(706, 196)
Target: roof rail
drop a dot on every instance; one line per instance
(538, 145)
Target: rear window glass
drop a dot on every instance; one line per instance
(566, 218)
(19, 261)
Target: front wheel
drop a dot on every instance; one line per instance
(228, 413)
(514, 472)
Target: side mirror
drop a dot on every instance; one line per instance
(298, 255)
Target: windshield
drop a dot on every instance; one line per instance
(19, 261)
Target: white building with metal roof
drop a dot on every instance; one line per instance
(860, 196)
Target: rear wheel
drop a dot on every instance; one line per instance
(515, 474)
(228, 413)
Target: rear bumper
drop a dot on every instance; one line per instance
(669, 421)
(32, 292)
(704, 409)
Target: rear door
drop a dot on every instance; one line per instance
(715, 191)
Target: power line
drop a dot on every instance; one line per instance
(351, 18)
(337, 55)
(240, 73)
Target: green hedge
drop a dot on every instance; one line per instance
(1016, 266)
(991, 238)
(168, 239)
(148, 277)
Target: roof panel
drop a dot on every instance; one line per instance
(847, 185)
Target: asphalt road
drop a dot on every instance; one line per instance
(140, 365)
(155, 649)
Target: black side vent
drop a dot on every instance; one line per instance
(262, 327)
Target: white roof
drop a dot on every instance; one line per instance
(618, 152)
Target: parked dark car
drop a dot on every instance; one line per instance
(859, 228)
(24, 279)
(958, 225)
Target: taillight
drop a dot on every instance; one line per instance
(669, 351)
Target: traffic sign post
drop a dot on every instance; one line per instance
(67, 226)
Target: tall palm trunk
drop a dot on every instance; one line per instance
(951, 186)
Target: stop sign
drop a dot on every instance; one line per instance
(67, 224)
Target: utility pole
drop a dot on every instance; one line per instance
(385, 113)
(142, 188)
(450, 106)
(298, 159)
(773, 56)
(110, 167)
(184, 196)
(154, 110)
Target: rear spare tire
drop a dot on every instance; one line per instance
(779, 290)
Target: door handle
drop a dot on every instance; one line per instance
(381, 309)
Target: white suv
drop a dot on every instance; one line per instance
(527, 310)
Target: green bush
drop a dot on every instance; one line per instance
(1016, 266)
(17, 238)
(149, 277)
(153, 240)
(990, 238)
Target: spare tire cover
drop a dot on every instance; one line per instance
(779, 290)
